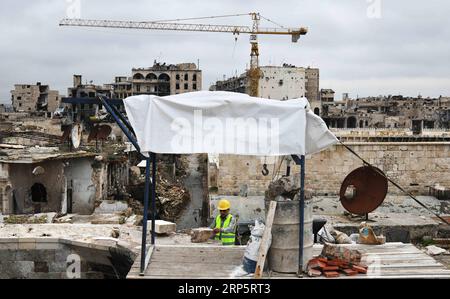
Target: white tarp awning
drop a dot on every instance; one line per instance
(226, 123)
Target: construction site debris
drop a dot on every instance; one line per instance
(111, 206)
(201, 235)
(331, 251)
(115, 233)
(162, 227)
(30, 219)
(319, 266)
(434, 250)
(108, 219)
(368, 237)
(342, 238)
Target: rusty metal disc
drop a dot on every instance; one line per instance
(363, 190)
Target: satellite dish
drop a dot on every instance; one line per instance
(76, 136)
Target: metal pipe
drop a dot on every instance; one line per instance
(144, 221)
(153, 158)
(302, 216)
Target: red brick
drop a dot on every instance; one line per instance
(323, 259)
(316, 265)
(334, 263)
(350, 272)
(363, 266)
(330, 274)
(359, 269)
(331, 268)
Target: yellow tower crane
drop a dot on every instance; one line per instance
(254, 31)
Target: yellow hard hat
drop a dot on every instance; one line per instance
(224, 205)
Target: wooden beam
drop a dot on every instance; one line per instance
(264, 246)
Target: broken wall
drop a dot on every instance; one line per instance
(81, 187)
(22, 180)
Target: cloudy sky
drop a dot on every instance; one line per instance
(363, 47)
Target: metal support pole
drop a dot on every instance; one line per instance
(302, 216)
(144, 221)
(153, 157)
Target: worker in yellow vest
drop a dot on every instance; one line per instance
(224, 225)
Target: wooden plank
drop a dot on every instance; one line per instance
(264, 245)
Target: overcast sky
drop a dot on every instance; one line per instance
(363, 47)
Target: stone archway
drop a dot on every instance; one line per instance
(351, 122)
(38, 193)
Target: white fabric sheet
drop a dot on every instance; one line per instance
(226, 123)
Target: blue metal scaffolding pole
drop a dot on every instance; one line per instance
(144, 221)
(302, 216)
(153, 157)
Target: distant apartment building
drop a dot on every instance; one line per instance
(163, 80)
(327, 96)
(160, 79)
(87, 90)
(415, 113)
(278, 82)
(34, 98)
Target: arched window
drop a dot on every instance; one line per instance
(38, 193)
(164, 77)
(138, 76)
(186, 77)
(351, 122)
(194, 77)
(151, 76)
(316, 111)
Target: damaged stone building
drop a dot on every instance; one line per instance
(41, 180)
(35, 98)
(415, 113)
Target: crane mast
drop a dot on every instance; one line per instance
(254, 71)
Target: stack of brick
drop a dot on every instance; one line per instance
(334, 267)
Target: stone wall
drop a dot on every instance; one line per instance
(415, 166)
(50, 258)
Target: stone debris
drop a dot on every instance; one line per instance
(331, 251)
(434, 250)
(108, 219)
(285, 189)
(115, 233)
(162, 227)
(110, 206)
(201, 235)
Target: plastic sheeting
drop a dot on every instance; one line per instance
(226, 123)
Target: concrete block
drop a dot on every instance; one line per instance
(162, 227)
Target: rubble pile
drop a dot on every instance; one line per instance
(284, 189)
(171, 195)
(336, 260)
(332, 268)
(172, 198)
